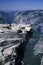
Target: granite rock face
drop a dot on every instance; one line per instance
(34, 48)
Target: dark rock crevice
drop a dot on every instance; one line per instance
(21, 49)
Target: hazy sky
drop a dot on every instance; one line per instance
(12, 5)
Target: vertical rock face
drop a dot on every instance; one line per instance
(21, 49)
(14, 43)
(18, 55)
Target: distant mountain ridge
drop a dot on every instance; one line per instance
(16, 16)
